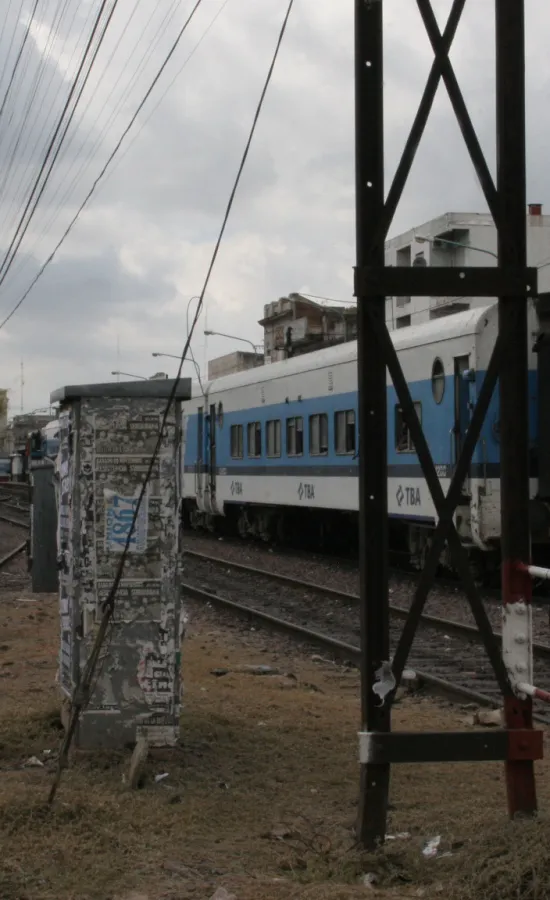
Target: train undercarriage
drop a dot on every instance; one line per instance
(337, 533)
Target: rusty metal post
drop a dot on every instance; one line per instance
(373, 491)
(514, 417)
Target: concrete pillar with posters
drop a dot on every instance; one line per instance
(108, 434)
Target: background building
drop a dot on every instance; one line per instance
(458, 239)
(234, 362)
(294, 325)
(20, 426)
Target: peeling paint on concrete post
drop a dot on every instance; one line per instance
(108, 433)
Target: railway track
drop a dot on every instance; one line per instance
(21, 521)
(4, 560)
(14, 504)
(447, 655)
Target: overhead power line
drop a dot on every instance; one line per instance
(111, 157)
(34, 108)
(79, 702)
(65, 190)
(38, 188)
(18, 60)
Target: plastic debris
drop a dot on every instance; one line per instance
(34, 763)
(385, 681)
(161, 777)
(489, 717)
(369, 880)
(257, 670)
(400, 836)
(431, 847)
(222, 894)
(279, 832)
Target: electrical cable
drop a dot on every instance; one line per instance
(14, 32)
(45, 113)
(105, 167)
(133, 76)
(22, 229)
(15, 155)
(110, 173)
(3, 31)
(18, 59)
(168, 86)
(9, 221)
(191, 354)
(132, 80)
(82, 693)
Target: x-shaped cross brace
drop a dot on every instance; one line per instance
(441, 68)
(445, 505)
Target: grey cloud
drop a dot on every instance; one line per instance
(292, 223)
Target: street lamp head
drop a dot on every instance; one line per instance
(420, 239)
(209, 333)
(156, 354)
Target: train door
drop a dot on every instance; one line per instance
(199, 467)
(212, 454)
(209, 462)
(462, 406)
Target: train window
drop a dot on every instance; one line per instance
(438, 380)
(295, 436)
(273, 437)
(403, 440)
(344, 431)
(237, 441)
(318, 434)
(254, 439)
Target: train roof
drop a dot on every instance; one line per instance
(52, 426)
(434, 331)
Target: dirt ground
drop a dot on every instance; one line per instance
(260, 799)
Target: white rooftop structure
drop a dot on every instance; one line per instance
(459, 239)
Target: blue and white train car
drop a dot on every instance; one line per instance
(265, 445)
(50, 439)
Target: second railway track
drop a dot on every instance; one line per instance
(447, 655)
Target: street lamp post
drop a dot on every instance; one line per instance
(422, 239)
(129, 375)
(232, 337)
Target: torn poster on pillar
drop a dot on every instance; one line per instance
(154, 676)
(119, 515)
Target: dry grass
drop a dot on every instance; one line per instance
(260, 798)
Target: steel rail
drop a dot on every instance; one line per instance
(17, 522)
(12, 554)
(339, 649)
(460, 629)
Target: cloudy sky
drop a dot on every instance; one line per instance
(119, 288)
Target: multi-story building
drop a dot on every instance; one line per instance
(458, 239)
(21, 426)
(295, 324)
